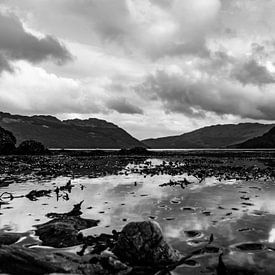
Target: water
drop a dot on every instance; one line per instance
(210, 207)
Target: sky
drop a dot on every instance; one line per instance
(153, 67)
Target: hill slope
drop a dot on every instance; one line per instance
(267, 140)
(75, 133)
(216, 136)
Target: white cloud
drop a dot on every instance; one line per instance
(32, 90)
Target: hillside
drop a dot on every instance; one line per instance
(74, 133)
(216, 136)
(267, 140)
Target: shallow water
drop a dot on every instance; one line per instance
(235, 212)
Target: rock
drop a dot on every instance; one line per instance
(7, 142)
(142, 243)
(35, 194)
(9, 238)
(18, 260)
(31, 147)
(99, 243)
(63, 231)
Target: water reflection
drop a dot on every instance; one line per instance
(271, 238)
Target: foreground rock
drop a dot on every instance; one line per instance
(7, 142)
(31, 147)
(139, 249)
(18, 260)
(142, 243)
(9, 238)
(63, 230)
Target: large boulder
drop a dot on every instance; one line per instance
(7, 142)
(142, 244)
(31, 147)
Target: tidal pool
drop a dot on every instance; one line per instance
(239, 214)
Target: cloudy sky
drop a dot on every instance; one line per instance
(154, 67)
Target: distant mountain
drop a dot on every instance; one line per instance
(73, 133)
(216, 136)
(267, 140)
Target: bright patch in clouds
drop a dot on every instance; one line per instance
(154, 67)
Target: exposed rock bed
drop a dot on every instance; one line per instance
(146, 252)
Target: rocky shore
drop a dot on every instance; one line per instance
(140, 246)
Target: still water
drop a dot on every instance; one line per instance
(235, 212)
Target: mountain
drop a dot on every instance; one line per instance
(267, 140)
(73, 133)
(216, 136)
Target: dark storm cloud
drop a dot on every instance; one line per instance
(194, 96)
(17, 44)
(123, 106)
(253, 73)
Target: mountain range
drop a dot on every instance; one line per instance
(97, 133)
(267, 140)
(72, 133)
(216, 136)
